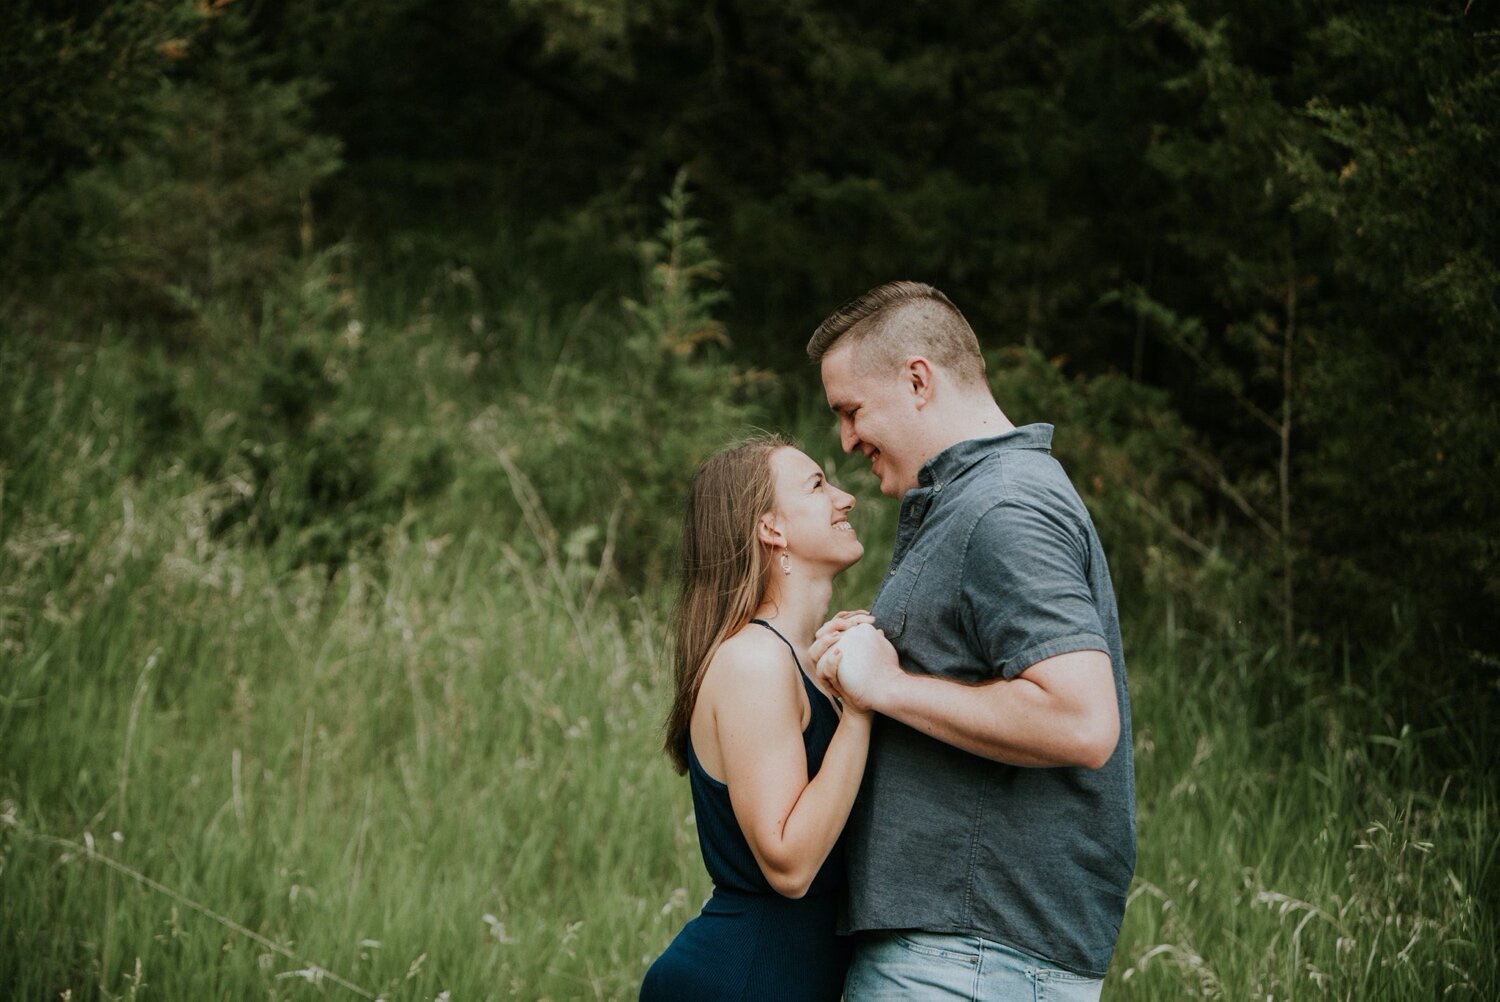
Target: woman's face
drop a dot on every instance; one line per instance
(812, 514)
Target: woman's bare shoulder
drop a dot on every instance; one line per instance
(753, 657)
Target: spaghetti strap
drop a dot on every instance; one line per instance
(813, 692)
(784, 640)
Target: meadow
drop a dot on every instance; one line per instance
(338, 672)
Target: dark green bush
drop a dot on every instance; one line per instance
(189, 209)
(1127, 453)
(614, 447)
(300, 469)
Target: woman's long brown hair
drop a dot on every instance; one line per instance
(725, 569)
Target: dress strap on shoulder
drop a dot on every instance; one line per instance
(815, 694)
(784, 640)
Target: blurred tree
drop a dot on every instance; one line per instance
(1237, 321)
(1327, 280)
(188, 193)
(654, 407)
(1404, 394)
(79, 79)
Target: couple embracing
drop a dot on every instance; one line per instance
(934, 798)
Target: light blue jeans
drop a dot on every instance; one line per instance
(924, 965)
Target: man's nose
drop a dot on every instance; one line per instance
(847, 438)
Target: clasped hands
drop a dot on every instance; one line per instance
(854, 659)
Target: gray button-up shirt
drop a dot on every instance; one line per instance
(997, 566)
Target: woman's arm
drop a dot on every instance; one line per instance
(790, 823)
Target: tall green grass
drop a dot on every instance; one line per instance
(436, 773)
(358, 772)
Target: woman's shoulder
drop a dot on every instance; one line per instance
(753, 657)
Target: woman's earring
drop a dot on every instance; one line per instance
(786, 563)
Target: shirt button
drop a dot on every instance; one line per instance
(938, 489)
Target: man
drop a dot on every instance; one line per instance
(993, 841)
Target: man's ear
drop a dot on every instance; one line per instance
(918, 377)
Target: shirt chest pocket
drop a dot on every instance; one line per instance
(894, 604)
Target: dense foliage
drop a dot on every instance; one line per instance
(1281, 221)
(354, 354)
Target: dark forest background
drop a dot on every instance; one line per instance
(1272, 230)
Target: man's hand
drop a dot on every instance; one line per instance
(829, 633)
(857, 662)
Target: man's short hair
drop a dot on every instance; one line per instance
(892, 322)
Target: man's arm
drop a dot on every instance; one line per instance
(1061, 711)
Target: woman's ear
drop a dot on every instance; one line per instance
(766, 531)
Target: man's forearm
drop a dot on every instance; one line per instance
(1058, 719)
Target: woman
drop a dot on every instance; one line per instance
(773, 762)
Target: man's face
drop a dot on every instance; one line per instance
(878, 416)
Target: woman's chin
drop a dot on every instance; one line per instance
(854, 559)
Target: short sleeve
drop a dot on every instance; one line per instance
(1025, 589)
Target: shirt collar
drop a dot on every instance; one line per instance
(956, 460)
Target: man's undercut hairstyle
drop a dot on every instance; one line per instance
(895, 321)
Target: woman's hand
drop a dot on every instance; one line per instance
(823, 646)
(827, 672)
(856, 662)
(828, 634)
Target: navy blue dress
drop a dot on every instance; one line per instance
(750, 942)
